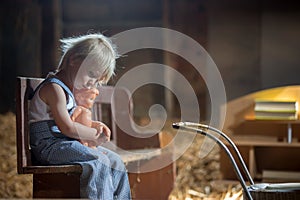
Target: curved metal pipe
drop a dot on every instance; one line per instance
(181, 126)
(207, 127)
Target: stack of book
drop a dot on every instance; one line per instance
(276, 109)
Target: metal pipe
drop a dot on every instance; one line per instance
(207, 127)
(181, 126)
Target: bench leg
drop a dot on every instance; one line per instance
(58, 185)
(153, 185)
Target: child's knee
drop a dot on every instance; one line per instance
(117, 162)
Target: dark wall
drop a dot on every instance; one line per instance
(255, 44)
(20, 33)
(29, 33)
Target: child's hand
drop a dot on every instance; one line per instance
(103, 132)
(83, 116)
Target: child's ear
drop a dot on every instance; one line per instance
(75, 61)
(72, 61)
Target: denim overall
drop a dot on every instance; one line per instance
(103, 175)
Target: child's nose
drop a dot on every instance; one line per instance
(95, 91)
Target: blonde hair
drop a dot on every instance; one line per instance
(95, 46)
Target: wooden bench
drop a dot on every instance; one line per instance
(62, 181)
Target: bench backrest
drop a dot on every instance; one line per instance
(110, 106)
(25, 88)
(125, 134)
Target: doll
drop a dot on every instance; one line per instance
(82, 114)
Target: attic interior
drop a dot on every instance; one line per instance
(251, 46)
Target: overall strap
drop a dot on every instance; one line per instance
(60, 83)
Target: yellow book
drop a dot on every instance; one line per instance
(276, 109)
(276, 106)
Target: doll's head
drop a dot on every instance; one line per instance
(89, 60)
(86, 97)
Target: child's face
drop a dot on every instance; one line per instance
(88, 76)
(87, 79)
(86, 82)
